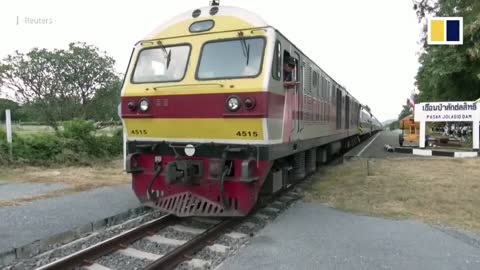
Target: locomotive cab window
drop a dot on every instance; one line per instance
(277, 62)
(294, 72)
(234, 58)
(161, 64)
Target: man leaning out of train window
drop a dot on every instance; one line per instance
(288, 66)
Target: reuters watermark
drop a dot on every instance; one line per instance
(27, 20)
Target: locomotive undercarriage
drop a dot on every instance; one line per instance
(218, 180)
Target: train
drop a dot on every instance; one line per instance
(368, 123)
(210, 127)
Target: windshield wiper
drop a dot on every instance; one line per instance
(245, 47)
(169, 57)
(168, 54)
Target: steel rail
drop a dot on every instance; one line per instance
(88, 255)
(186, 251)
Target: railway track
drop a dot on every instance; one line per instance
(184, 249)
(182, 241)
(179, 242)
(174, 242)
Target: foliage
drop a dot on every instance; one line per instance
(405, 111)
(394, 125)
(87, 70)
(53, 87)
(39, 147)
(58, 85)
(78, 129)
(35, 76)
(104, 105)
(80, 138)
(449, 73)
(77, 144)
(11, 105)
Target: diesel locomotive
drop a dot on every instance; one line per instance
(210, 126)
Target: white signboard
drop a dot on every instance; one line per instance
(447, 111)
(455, 111)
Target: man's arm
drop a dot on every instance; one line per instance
(290, 84)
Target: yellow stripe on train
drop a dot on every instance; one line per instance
(208, 128)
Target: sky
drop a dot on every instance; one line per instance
(369, 46)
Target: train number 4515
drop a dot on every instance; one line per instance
(138, 132)
(244, 133)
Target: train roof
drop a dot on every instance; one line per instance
(252, 19)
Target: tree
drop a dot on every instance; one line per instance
(35, 77)
(87, 71)
(58, 84)
(405, 111)
(394, 125)
(11, 105)
(104, 105)
(450, 72)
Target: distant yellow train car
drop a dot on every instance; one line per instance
(410, 130)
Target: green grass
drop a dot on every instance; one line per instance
(26, 130)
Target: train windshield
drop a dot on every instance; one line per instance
(231, 59)
(161, 64)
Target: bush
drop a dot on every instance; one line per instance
(76, 144)
(69, 157)
(113, 145)
(37, 148)
(78, 129)
(80, 138)
(3, 147)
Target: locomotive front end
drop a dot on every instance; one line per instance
(194, 106)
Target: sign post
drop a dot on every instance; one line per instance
(422, 134)
(476, 127)
(8, 124)
(475, 134)
(456, 111)
(124, 133)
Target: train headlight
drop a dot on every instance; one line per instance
(233, 103)
(131, 105)
(144, 105)
(249, 103)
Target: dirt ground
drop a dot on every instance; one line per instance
(437, 191)
(75, 178)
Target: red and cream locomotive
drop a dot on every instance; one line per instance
(210, 125)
